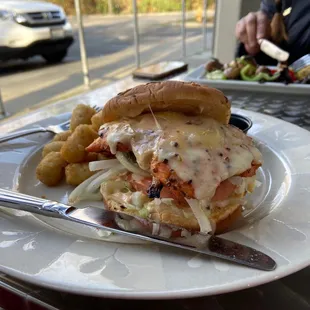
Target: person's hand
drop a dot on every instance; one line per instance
(251, 28)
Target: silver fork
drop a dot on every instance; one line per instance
(52, 128)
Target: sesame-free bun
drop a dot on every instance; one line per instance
(172, 96)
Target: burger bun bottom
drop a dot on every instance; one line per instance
(223, 218)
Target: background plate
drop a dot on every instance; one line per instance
(197, 75)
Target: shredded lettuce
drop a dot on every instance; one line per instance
(144, 213)
(139, 199)
(110, 187)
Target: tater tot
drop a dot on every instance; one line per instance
(54, 146)
(82, 114)
(73, 151)
(62, 136)
(77, 173)
(51, 170)
(96, 121)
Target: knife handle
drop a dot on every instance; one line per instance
(273, 50)
(18, 201)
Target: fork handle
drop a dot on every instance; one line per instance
(21, 133)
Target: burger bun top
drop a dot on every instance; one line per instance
(172, 96)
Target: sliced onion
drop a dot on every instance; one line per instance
(202, 219)
(123, 224)
(139, 225)
(90, 196)
(103, 164)
(79, 190)
(130, 224)
(185, 233)
(130, 165)
(165, 232)
(155, 229)
(95, 183)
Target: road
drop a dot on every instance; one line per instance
(109, 43)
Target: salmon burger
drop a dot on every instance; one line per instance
(178, 161)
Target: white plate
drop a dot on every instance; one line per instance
(198, 75)
(70, 257)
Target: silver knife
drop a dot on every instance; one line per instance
(134, 227)
(273, 50)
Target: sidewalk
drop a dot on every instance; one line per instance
(193, 61)
(96, 19)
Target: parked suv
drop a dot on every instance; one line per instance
(29, 28)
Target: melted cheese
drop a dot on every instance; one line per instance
(199, 150)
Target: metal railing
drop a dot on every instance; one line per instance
(136, 32)
(137, 35)
(83, 51)
(3, 113)
(183, 28)
(204, 25)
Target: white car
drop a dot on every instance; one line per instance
(29, 28)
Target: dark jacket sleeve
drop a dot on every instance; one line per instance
(268, 7)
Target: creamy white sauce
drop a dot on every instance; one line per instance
(207, 152)
(198, 149)
(144, 146)
(118, 133)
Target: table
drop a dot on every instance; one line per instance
(291, 292)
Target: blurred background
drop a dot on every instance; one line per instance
(28, 80)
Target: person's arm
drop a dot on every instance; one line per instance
(255, 26)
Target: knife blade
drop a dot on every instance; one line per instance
(146, 230)
(273, 50)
